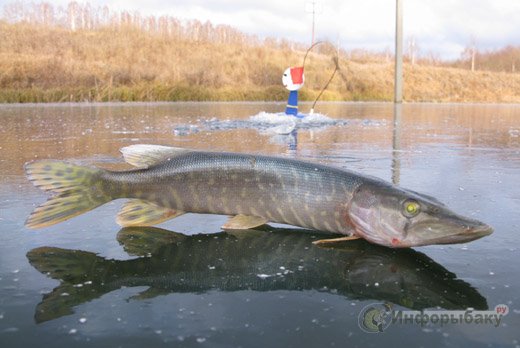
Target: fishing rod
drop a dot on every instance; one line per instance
(336, 68)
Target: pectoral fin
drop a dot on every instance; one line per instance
(143, 213)
(141, 241)
(334, 240)
(149, 294)
(243, 222)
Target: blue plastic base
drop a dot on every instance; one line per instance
(292, 104)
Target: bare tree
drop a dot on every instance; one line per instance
(413, 50)
(470, 52)
(73, 10)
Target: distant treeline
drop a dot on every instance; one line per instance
(76, 16)
(84, 16)
(83, 53)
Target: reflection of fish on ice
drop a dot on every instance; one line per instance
(264, 260)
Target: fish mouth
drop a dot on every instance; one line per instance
(469, 235)
(448, 233)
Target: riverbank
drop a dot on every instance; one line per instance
(54, 64)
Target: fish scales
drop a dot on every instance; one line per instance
(277, 189)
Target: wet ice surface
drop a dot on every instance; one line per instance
(265, 288)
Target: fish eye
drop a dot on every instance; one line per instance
(411, 208)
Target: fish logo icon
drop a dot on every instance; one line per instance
(375, 317)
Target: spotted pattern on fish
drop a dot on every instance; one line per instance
(258, 189)
(278, 189)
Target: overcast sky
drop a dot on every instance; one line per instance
(444, 27)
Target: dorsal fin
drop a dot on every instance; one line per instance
(145, 155)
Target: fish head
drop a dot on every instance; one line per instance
(392, 216)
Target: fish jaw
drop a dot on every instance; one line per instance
(377, 213)
(447, 229)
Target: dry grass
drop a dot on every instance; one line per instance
(48, 64)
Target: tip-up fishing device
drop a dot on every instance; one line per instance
(293, 79)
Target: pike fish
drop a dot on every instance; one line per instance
(253, 189)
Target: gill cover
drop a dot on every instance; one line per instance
(377, 214)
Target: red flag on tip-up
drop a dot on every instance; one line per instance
(297, 75)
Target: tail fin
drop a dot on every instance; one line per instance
(78, 272)
(76, 190)
(71, 266)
